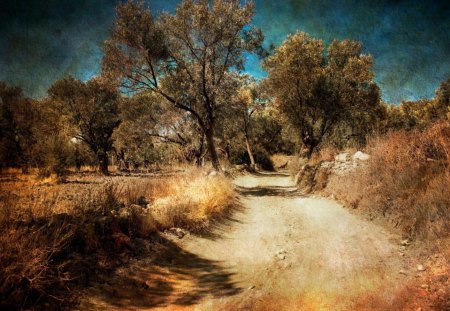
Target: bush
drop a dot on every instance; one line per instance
(192, 201)
(45, 257)
(30, 252)
(406, 180)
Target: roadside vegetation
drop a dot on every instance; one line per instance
(47, 256)
(96, 169)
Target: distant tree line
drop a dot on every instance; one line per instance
(172, 88)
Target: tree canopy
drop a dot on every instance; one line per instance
(317, 90)
(186, 57)
(93, 108)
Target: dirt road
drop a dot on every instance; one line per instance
(281, 251)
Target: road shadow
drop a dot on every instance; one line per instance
(271, 174)
(166, 275)
(218, 227)
(269, 191)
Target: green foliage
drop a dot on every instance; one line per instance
(262, 158)
(317, 91)
(16, 122)
(92, 108)
(270, 135)
(419, 114)
(186, 57)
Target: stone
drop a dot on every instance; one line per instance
(212, 174)
(178, 232)
(420, 268)
(281, 256)
(361, 156)
(402, 272)
(342, 157)
(405, 242)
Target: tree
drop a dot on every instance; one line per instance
(249, 100)
(186, 57)
(93, 108)
(442, 101)
(317, 91)
(147, 120)
(17, 116)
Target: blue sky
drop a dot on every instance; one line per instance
(44, 40)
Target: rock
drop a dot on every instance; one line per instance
(252, 287)
(402, 272)
(424, 286)
(342, 157)
(405, 242)
(326, 164)
(420, 268)
(178, 232)
(212, 174)
(281, 251)
(281, 256)
(361, 156)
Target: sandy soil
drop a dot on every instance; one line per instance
(280, 251)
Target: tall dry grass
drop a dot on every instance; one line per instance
(191, 201)
(44, 253)
(407, 180)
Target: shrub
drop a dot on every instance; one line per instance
(192, 201)
(406, 180)
(30, 269)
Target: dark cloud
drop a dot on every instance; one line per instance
(41, 41)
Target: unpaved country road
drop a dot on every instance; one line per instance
(281, 251)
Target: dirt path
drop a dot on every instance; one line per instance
(282, 251)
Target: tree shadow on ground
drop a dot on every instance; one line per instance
(271, 174)
(170, 276)
(269, 191)
(219, 226)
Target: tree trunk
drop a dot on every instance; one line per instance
(250, 154)
(311, 148)
(209, 133)
(103, 162)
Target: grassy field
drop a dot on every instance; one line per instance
(55, 236)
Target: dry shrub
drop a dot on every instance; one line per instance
(324, 154)
(192, 200)
(29, 265)
(407, 180)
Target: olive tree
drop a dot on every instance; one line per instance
(317, 91)
(184, 57)
(93, 108)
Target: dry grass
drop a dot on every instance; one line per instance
(46, 250)
(407, 181)
(192, 200)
